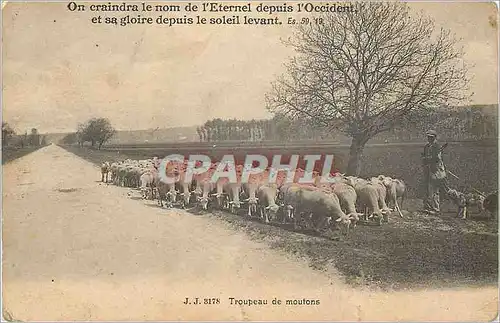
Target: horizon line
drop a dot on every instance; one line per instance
(197, 125)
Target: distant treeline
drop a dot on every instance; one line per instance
(464, 123)
(11, 139)
(458, 124)
(280, 128)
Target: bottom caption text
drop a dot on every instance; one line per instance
(250, 301)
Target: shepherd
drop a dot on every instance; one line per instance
(434, 173)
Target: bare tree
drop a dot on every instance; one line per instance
(199, 132)
(34, 137)
(208, 126)
(43, 140)
(204, 133)
(7, 133)
(361, 73)
(81, 133)
(24, 139)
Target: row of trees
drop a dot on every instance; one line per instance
(218, 129)
(96, 131)
(280, 127)
(10, 138)
(453, 124)
(463, 123)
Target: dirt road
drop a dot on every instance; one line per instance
(76, 249)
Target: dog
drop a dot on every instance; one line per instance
(464, 200)
(490, 203)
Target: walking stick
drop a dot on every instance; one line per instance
(458, 178)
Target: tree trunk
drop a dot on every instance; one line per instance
(356, 154)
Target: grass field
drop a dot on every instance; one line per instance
(11, 153)
(416, 251)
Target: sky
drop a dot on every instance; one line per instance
(59, 69)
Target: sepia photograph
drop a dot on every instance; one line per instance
(249, 161)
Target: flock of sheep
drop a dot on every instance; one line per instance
(320, 206)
